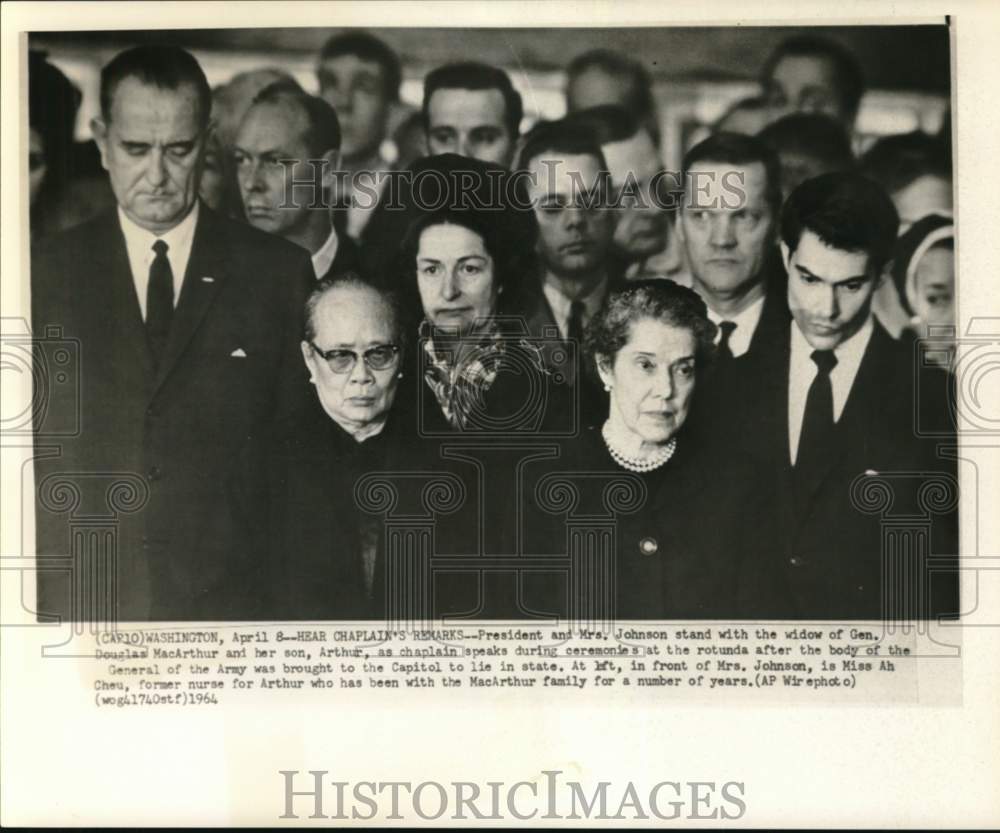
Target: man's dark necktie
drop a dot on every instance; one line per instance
(722, 351)
(574, 332)
(816, 445)
(159, 301)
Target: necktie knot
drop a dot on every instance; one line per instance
(160, 247)
(723, 351)
(825, 361)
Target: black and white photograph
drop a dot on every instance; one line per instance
(584, 356)
(637, 350)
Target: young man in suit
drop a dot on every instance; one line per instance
(187, 326)
(837, 408)
(293, 200)
(359, 76)
(566, 177)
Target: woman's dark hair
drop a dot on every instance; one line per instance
(658, 299)
(508, 254)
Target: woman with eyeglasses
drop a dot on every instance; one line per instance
(317, 552)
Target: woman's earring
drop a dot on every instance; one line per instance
(399, 375)
(607, 387)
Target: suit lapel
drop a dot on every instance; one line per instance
(110, 259)
(206, 273)
(774, 316)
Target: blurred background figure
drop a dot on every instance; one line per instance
(603, 76)
(359, 76)
(915, 170)
(230, 102)
(643, 243)
(808, 144)
(748, 115)
(809, 74)
(472, 109)
(284, 122)
(410, 140)
(62, 189)
(923, 277)
(52, 106)
(212, 188)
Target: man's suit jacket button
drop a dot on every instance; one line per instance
(151, 413)
(795, 561)
(155, 473)
(648, 546)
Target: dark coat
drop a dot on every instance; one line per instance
(676, 540)
(232, 365)
(585, 402)
(292, 496)
(347, 259)
(834, 557)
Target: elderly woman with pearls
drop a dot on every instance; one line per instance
(697, 515)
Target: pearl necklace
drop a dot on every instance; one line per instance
(659, 458)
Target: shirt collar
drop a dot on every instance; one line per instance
(140, 240)
(746, 322)
(325, 255)
(561, 305)
(849, 353)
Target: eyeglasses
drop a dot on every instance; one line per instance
(380, 357)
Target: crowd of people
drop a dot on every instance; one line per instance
(502, 375)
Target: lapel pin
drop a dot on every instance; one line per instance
(208, 280)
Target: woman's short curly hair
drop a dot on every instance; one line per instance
(657, 299)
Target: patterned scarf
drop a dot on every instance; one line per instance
(460, 387)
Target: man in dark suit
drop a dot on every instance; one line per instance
(187, 327)
(838, 409)
(293, 200)
(727, 224)
(565, 170)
